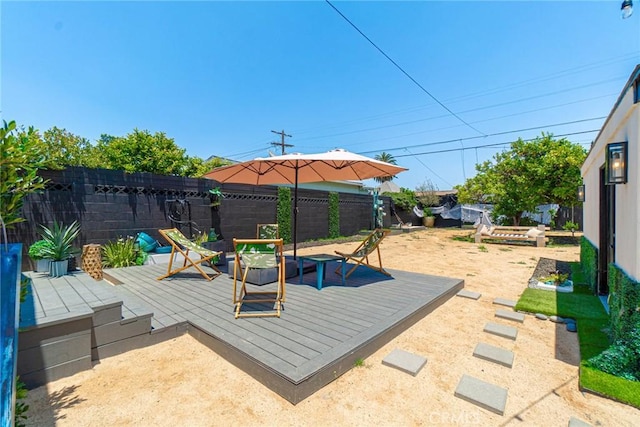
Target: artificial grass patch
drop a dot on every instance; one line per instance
(607, 385)
(574, 305)
(592, 321)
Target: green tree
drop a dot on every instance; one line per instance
(387, 158)
(426, 194)
(140, 151)
(66, 149)
(21, 154)
(480, 188)
(537, 172)
(198, 167)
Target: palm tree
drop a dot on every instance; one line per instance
(387, 158)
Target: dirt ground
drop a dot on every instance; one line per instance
(181, 382)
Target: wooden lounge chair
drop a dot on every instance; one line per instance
(267, 231)
(505, 233)
(179, 243)
(258, 254)
(366, 248)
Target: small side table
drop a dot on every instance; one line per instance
(320, 261)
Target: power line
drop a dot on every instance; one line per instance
(488, 145)
(402, 70)
(466, 111)
(518, 84)
(491, 134)
(432, 171)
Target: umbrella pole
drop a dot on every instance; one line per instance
(295, 213)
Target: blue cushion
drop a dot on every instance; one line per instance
(146, 242)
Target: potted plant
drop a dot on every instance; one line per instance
(212, 243)
(428, 220)
(215, 197)
(427, 197)
(60, 246)
(37, 252)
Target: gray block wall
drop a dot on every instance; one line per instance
(110, 204)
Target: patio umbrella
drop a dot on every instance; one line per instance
(334, 165)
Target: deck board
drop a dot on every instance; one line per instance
(318, 336)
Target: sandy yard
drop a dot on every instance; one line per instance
(183, 383)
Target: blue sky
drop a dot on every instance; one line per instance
(218, 77)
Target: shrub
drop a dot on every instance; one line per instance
(589, 262)
(405, 199)
(122, 253)
(571, 226)
(21, 408)
(622, 359)
(38, 249)
(284, 213)
(334, 215)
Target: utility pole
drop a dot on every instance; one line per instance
(281, 143)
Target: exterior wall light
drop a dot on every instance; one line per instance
(627, 8)
(581, 193)
(616, 163)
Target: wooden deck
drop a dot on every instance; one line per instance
(318, 337)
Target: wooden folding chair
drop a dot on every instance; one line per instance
(361, 255)
(179, 243)
(258, 254)
(267, 231)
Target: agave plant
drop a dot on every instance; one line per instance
(60, 239)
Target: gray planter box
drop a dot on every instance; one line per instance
(218, 246)
(42, 265)
(58, 268)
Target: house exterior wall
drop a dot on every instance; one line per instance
(623, 124)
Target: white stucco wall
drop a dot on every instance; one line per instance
(622, 125)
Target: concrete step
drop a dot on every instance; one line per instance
(505, 302)
(575, 422)
(483, 394)
(501, 330)
(405, 361)
(494, 354)
(469, 294)
(510, 315)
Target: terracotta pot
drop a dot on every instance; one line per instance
(429, 221)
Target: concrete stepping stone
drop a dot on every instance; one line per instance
(505, 302)
(494, 354)
(405, 361)
(510, 315)
(501, 330)
(483, 394)
(574, 422)
(469, 294)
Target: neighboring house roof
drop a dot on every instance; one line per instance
(389, 187)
